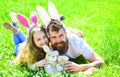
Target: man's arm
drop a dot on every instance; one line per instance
(95, 60)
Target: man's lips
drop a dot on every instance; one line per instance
(59, 44)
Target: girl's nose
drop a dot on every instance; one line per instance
(43, 42)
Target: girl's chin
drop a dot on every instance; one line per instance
(40, 46)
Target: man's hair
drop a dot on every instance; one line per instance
(55, 25)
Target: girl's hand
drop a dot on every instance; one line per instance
(42, 63)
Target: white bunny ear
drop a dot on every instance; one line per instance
(53, 11)
(43, 15)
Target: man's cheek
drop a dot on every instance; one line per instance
(52, 41)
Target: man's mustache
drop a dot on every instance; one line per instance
(61, 42)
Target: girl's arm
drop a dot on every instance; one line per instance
(36, 65)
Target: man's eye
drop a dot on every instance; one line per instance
(53, 37)
(61, 35)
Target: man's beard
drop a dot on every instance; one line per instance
(61, 47)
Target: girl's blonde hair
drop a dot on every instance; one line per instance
(30, 53)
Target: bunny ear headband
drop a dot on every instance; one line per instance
(46, 19)
(43, 15)
(24, 21)
(53, 11)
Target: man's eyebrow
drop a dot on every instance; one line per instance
(53, 36)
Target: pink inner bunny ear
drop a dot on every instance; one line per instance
(23, 20)
(53, 11)
(33, 17)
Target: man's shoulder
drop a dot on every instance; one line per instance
(74, 40)
(73, 37)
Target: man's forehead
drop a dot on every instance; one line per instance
(61, 31)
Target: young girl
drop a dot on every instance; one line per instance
(29, 51)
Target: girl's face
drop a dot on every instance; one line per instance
(40, 39)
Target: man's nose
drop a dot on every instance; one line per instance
(58, 39)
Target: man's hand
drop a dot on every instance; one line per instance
(73, 67)
(77, 32)
(90, 71)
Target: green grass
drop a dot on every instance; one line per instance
(99, 20)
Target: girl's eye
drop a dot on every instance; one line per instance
(45, 36)
(39, 39)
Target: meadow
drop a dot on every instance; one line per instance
(99, 20)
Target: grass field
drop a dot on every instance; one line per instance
(99, 20)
